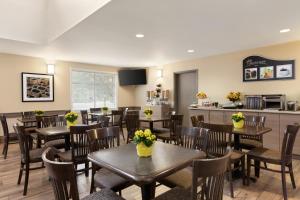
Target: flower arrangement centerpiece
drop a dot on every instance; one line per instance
(148, 113)
(144, 141)
(105, 110)
(202, 99)
(71, 119)
(201, 95)
(39, 112)
(234, 96)
(158, 90)
(238, 120)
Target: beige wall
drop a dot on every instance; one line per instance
(221, 74)
(11, 67)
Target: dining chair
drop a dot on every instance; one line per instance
(99, 139)
(103, 120)
(116, 120)
(169, 137)
(190, 138)
(62, 175)
(284, 158)
(95, 110)
(251, 142)
(79, 147)
(218, 141)
(132, 125)
(29, 114)
(9, 137)
(196, 120)
(207, 181)
(28, 156)
(85, 117)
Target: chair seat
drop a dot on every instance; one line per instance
(59, 144)
(236, 155)
(265, 155)
(104, 194)
(161, 130)
(182, 178)
(175, 193)
(13, 137)
(250, 144)
(106, 179)
(65, 156)
(35, 155)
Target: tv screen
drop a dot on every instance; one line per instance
(132, 77)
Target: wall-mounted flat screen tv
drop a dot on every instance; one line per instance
(132, 77)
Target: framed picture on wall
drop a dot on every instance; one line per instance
(266, 72)
(284, 71)
(250, 74)
(37, 87)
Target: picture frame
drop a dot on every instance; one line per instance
(266, 73)
(251, 74)
(37, 87)
(284, 71)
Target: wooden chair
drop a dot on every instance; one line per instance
(105, 138)
(283, 158)
(79, 147)
(251, 142)
(28, 156)
(218, 141)
(29, 114)
(62, 174)
(175, 121)
(116, 120)
(95, 110)
(85, 117)
(208, 175)
(8, 136)
(103, 120)
(191, 138)
(196, 120)
(132, 125)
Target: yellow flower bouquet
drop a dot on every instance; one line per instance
(201, 95)
(238, 120)
(234, 96)
(144, 141)
(39, 112)
(71, 118)
(148, 112)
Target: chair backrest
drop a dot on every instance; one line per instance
(47, 121)
(288, 142)
(4, 126)
(218, 139)
(212, 173)
(252, 120)
(23, 142)
(103, 120)
(175, 121)
(132, 125)
(117, 117)
(28, 114)
(79, 141)
(61, 175)
(196, 120)
(103, 138)
(94, 110)
(192, 137)
(84, 116)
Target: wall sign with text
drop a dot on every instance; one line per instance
(256, 68)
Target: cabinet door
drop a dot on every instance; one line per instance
(216, 117)
(272, 139)
(290, 119)
(205, 113)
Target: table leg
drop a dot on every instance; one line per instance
(67, 142)
(151, 126)
(148, 191)
(237, 173)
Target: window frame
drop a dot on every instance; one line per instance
(93, 71)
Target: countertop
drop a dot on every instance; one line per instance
(246, 110)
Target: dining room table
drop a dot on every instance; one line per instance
(166, 159)
(153, 120)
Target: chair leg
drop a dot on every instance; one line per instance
(243, 169)
(248, 169)
(231, 183)
(265, 163)
(92, 189)
(5, 148)
(20, 173)
(122, 131)
(292, 175)
(26, 180)
(284, 192)
(86, 171)
(257, 169)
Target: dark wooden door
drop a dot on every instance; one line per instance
(186, 87)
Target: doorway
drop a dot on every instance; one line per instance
(186, 88)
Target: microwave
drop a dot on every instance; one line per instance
(273, 102)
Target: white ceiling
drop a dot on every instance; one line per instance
(87, 31)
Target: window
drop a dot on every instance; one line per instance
(93, 89)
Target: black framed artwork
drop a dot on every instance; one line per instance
(37, 87)
(257, 68)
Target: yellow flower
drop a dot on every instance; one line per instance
(147, 132)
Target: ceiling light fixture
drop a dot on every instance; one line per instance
(139, 35)
(191, 51)
(285, 30)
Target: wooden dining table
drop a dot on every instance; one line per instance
(166, 159)
(152, 120)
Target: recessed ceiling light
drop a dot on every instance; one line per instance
(139, 35)
(191, 51)
(285, 30)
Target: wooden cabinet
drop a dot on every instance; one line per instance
(289, 119)
(272, 139)
(216, 117)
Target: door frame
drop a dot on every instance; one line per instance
(175, 82)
